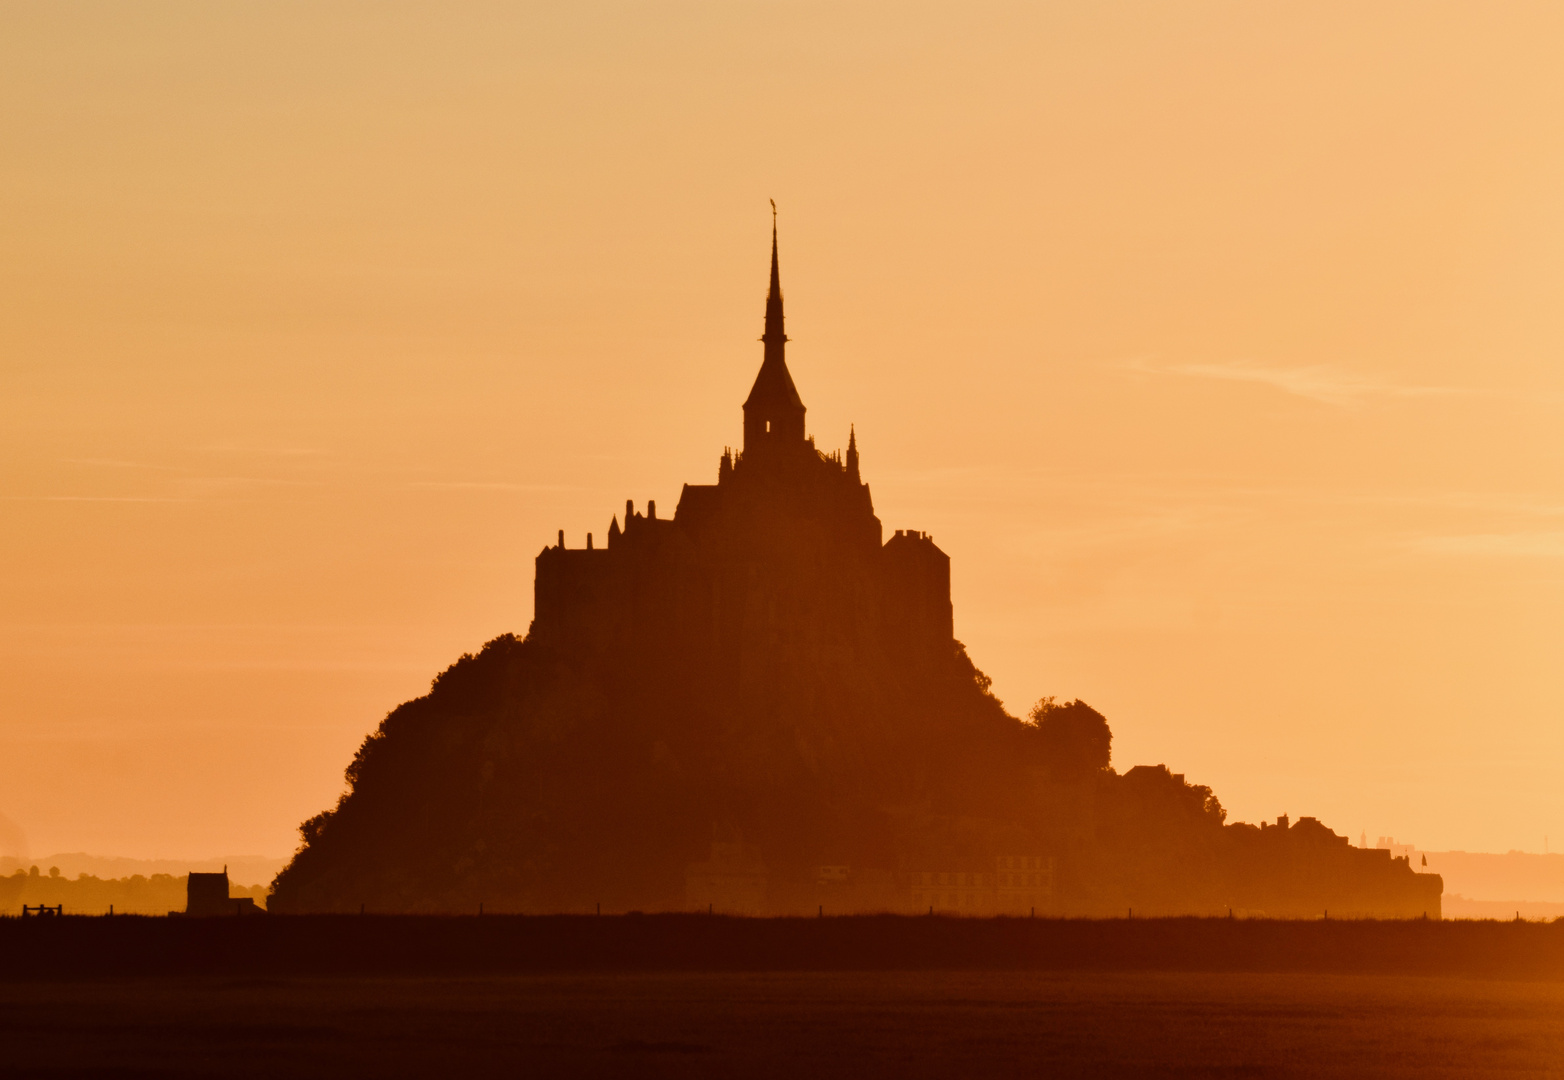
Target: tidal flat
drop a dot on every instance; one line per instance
(792, 1024)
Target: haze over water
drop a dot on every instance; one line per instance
(1219, 346)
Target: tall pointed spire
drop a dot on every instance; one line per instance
(852, 453)
(773, 412)
(774, 336)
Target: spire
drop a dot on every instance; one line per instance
(774, 336)
(852, 454)
(773, 412)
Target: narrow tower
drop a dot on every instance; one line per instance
(773, 412)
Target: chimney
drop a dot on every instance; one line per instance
(651, 509)
(589, 541)
(562, 539)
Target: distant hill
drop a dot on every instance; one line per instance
(1457, 906)
(138, 894)
(1514, 875)
(243, 870)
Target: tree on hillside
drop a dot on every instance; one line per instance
(1075, 737)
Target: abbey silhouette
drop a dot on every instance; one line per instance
(769, 579)
(757, 705)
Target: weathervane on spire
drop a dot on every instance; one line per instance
(773, 213)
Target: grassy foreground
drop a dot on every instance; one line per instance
(375, 945)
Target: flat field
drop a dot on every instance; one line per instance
(785, 1024)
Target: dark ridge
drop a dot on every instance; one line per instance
(389, 945)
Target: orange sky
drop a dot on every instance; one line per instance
(1218, 344)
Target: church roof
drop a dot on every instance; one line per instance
(772, 384)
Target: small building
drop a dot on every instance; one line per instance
(1018, 885)
(1397, 851)
(832, 875)
(206, 895)
(956, 892)
(1023, 883)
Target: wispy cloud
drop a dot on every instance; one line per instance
(115, 463)
(181, 483)
(207, 484)
(490, 485)
(1318, 382)
(97, 498)
(1544, 545)
(262, 451)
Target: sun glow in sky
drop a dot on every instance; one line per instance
(1221, 345)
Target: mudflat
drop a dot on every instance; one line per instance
(776, 1024)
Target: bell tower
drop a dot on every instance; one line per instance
(773, 412)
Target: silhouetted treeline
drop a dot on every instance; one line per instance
(527, 781)
(158, 894)
(538, 778)
(249, 869)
